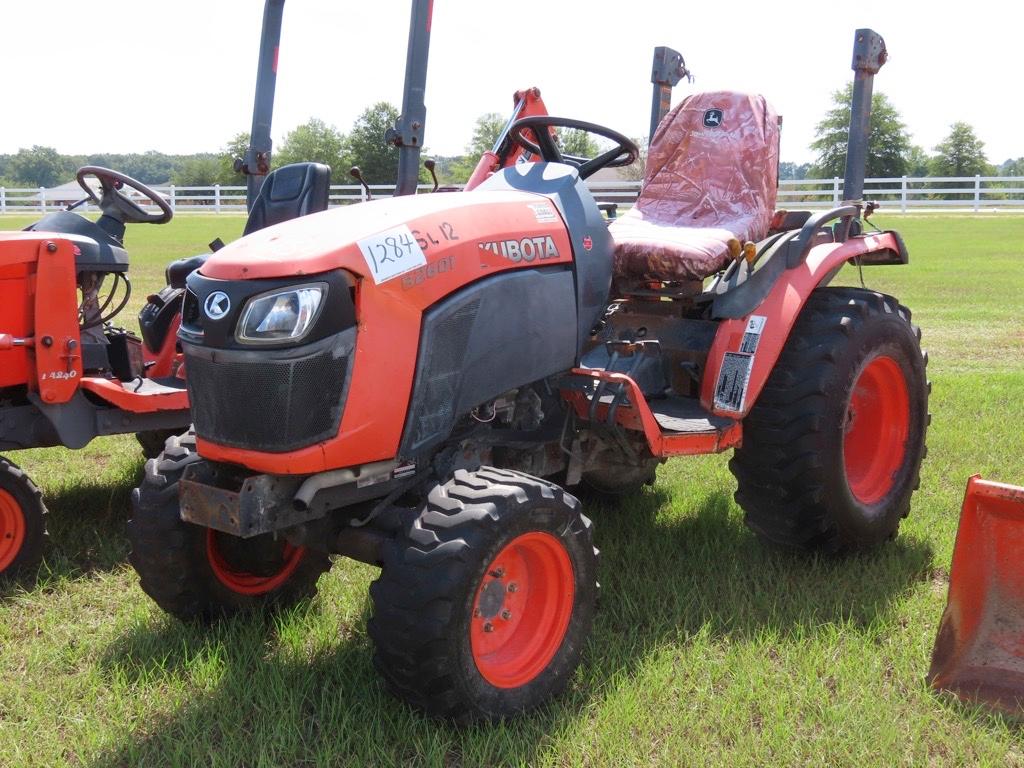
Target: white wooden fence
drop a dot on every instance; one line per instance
(971, 193)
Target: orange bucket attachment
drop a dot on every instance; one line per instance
(979, 650)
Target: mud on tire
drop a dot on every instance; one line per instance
(195, 573)
(832, 449)
(484, 605)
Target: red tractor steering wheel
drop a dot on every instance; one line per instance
(116, 204)
(625, 151)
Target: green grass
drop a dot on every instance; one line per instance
(709, 648)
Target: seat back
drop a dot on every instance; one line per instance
(289, 192)
(713, 163)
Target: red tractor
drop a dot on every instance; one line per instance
(67, 374)
(416, 382)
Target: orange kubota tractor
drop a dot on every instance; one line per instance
(64, 381)
(416, 382)
(67, 374)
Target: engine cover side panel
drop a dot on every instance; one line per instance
(500, 333)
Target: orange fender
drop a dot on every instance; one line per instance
(773, 319)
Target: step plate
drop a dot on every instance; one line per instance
(686, 415)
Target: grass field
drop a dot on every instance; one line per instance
(708, 648)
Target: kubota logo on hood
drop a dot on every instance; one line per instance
(217, 305)
(527, 249)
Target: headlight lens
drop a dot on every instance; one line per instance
(284, 315)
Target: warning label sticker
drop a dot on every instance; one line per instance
(731, 389)
(752, 334)
(543, 212)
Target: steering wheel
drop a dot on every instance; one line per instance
(624, 152)
(116, 204)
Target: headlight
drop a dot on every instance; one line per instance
(284, 315)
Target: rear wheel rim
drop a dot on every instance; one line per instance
(12, 529)
(876, 429)
(521, 610)
(244, 582)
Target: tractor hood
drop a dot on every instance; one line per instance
(345, 237)
(500, 260)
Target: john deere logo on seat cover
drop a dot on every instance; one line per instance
(713, 118)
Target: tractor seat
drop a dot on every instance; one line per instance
(287, 193)
(711, 176)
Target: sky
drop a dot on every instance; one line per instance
(178, 77)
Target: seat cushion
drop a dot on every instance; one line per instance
(711, 176)
(646, 250)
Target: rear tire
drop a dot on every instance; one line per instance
(22, 521)
(483, 607)
(196, 573)
(832, 449)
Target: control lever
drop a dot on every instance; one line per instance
(429, 164)
(356, 174)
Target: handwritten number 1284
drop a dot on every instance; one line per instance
(391, 249)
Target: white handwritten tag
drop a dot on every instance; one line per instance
(391, 253)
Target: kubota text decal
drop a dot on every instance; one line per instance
(527, 249)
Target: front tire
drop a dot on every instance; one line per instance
(196, 573)
(22, 521)
(483, 607)
(152, 443)
(832, 449)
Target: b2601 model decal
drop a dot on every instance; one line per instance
(440, 267)
(527, 249)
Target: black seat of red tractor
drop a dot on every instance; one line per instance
(711, 176)
(287, 193)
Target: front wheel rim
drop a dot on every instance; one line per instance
(521, 610)
(243, 582)
(12, 529)
(877, 424)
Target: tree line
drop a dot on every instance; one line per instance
(891, 152)
(313, 141)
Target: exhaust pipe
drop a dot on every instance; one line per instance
(311, 486)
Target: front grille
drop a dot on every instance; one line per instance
(265, 401)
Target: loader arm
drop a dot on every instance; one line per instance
(505, 152)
